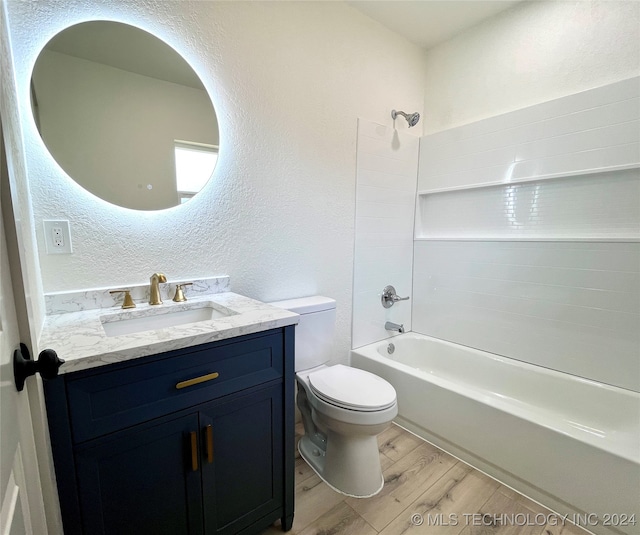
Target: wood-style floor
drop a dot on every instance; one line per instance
(426, 491)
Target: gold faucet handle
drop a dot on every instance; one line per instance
(128, 301)
(179, 297)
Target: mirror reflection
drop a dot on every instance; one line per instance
(124, 115)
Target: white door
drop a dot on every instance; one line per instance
(21, 503)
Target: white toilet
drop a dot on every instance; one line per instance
(343, 409)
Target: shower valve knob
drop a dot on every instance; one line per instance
(389, 297)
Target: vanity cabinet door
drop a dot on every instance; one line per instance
(142, 481)
(242, 460)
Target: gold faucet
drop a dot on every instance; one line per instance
(154, 288)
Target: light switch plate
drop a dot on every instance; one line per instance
(57, 237)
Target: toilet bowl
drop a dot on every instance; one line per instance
(342, 423)
(343, 409)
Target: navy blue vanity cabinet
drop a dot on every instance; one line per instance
(194, 441)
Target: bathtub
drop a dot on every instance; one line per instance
(570, 444)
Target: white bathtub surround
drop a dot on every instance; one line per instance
(80, 339)
(386, 177)
(75, 301)
(527, 246)
(572, 307)
(528, 235)
(570, 443)
(592, 131)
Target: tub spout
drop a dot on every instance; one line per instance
(394, 327)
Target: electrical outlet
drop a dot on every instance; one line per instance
(57, 237)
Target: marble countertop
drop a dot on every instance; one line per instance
(80, 340)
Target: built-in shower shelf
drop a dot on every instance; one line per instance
(562, 170)
(527, 180)
(597, 207)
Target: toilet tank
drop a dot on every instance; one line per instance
(315, 330)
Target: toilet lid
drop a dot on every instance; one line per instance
(351, 388)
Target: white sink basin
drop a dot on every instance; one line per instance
(151, 320)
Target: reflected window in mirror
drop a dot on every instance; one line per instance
(195, 163)
(109, 101)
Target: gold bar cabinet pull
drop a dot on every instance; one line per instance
(194, 451)
(209, 433)
(197, 380)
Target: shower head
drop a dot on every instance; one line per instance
(412, 118)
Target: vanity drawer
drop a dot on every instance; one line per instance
(108, 401)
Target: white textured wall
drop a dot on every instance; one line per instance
(113, 131)
(288, 80)
(534, 52)
(387, 172)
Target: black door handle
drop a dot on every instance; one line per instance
(47, 364)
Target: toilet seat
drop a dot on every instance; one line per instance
(352, 388)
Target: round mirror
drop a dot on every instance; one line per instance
(124, 115)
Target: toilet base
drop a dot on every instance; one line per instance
(350, 466)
